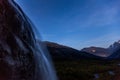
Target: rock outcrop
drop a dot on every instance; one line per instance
(16, 43)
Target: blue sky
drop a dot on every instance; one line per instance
(75, 23)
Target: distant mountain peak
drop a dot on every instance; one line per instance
(119, 41)
(116, 50)
(114, 47)
(103, 52)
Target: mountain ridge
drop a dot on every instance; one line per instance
(59, 51)
(103, 52)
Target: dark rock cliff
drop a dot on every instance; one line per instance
(16, 42)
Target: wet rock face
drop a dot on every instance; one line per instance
(16, 43)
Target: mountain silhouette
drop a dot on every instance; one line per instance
(61, 52)
(115, 48)
(103, 52)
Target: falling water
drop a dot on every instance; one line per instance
(22, 56)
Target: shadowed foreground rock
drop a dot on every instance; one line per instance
(18, 45)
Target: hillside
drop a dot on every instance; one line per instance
(62, 52)
(103, 52)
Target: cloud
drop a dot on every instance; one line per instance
(102, 17)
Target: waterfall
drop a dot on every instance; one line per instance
(22, 56)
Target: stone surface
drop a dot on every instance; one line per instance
(16, 43)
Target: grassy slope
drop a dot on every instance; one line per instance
(85, 69)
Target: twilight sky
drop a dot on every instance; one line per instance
(75, 23)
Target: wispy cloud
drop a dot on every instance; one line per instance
(102, 17)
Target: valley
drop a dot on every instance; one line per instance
(72, 64)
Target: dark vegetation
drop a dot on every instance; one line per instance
(72, 64)
(86, 69)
